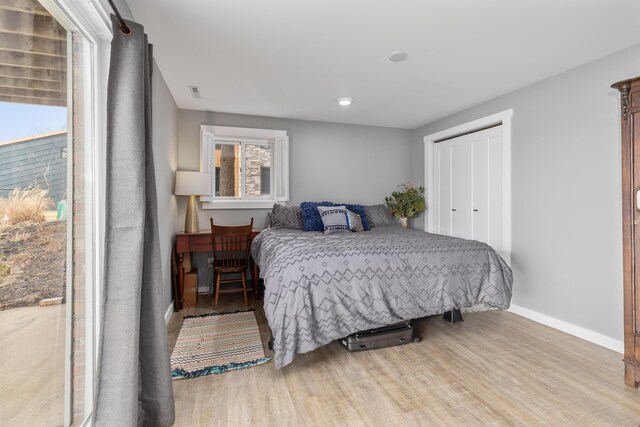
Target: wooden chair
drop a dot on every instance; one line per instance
(231, 245)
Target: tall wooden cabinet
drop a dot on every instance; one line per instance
(630, 122)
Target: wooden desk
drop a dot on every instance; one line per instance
(201, 242)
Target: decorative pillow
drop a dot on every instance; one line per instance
(355, 221)
(267, 221)
(286, 217)
(360, 210)
(334, 219)
(311, 216)
(378, 215)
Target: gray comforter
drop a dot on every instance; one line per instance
(323, 287)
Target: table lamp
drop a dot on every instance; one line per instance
(191, 184)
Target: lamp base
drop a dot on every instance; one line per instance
(191, 219)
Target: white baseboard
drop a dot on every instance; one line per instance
(569, 328)
(168, 313)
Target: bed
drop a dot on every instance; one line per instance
(319, 287)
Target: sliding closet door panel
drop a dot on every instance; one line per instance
(480, 195)
(443, 189)
(487, 186)
(495, 190)
(460, 189)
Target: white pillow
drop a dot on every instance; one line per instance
(334, 219)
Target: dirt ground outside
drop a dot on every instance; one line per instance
(32, 263)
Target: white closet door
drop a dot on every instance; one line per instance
(486, 196)
(453, 168)
(443, 190)
(469, 186)
(460, 190)
(495, 190)
(480, 193)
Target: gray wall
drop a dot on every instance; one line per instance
(566, 197)
(165, 156)
(328, 161)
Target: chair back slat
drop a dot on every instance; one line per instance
(231, 245)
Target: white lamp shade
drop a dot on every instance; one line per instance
(188, 183)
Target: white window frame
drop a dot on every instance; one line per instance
(279, 185)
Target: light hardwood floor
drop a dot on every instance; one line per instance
(496, 368)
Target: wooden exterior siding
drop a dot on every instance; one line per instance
(33, 55)
(35, 161)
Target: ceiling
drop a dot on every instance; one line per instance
(295, 58)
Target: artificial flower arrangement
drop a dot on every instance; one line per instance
(406, 203)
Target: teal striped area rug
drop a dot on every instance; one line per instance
(214, 343)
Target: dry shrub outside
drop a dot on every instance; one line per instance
(36, 256)
(5, 271)
(25, 205)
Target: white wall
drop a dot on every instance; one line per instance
(165, 156)
(567, 239)
(328, 161)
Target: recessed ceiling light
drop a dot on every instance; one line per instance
(345, 101)
(398, 55)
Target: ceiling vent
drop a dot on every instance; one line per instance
(195, 91)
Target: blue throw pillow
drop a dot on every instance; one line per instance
(360, 210)
(311, 217)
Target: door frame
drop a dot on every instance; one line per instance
(90, 19)
(503, 118)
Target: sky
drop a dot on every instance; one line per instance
(23, 120)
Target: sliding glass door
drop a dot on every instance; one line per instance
(47, 215)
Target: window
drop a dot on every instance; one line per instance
(249, 167)
(265, 180)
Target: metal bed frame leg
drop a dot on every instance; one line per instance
(453, 316)
(270, 345)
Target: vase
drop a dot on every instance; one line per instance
(404, 221)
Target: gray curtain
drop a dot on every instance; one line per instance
(134, 375)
